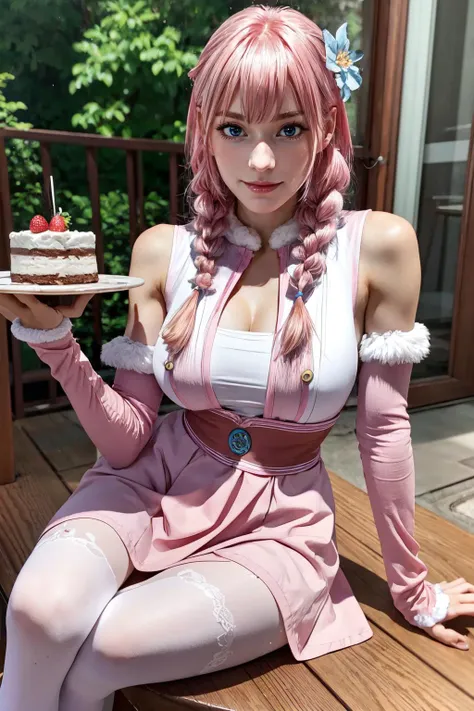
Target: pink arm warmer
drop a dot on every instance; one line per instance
(118, 419)
(384, 436)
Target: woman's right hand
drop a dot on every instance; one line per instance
(33, 313)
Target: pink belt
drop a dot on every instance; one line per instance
(259, 445)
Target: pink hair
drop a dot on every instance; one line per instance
(287, 48)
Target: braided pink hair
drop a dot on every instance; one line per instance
(318, 217)
(287, 48)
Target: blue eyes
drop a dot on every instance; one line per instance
(234, 127)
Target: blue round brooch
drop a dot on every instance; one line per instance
(240, 442)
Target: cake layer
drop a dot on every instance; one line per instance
(52, 240)
(53, 279)
(63, 266)
(63, 253)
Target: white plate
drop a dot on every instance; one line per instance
(107, 282)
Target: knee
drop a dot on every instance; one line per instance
(95, 673)
(40, 605)
(87, 678)
(98, 666)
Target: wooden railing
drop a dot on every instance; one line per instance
(133, 149)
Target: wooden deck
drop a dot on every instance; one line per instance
(400, 668)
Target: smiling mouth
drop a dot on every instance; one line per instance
(262, 184)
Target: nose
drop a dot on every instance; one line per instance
(262, 157)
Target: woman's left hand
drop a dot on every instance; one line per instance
(461, 602)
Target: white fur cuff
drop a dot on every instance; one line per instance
(439, 611)
(122, 352)
(395, 347)
(39, 335)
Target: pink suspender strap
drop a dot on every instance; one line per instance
(355, 222)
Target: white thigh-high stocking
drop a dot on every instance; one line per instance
(185, 621)
(69, 578)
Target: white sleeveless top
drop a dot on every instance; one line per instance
(240, 363)
(230, 369)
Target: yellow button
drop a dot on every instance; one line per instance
(307, 376)
(169, 365)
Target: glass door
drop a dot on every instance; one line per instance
(432, 186)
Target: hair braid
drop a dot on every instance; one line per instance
(210, 224)
(318, 217)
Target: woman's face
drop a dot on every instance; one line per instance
(275, 152)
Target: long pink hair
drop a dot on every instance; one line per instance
(259, 52)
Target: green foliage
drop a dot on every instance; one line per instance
(22, 156)
(36, 38)
(8, 109)
(124, 53)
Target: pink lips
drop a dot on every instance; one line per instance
(262, 187)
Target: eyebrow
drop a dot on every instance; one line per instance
(287, 114)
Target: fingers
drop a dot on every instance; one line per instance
(29, 300)
(24, 306)
(77, 308)
(455, 582)
(464, 597)
(458, 586)
(448, 636)
(13, 305)
(9, 315)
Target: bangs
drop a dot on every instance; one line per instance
(259, 70)
(261, 92)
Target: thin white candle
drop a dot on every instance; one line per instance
(52, 195)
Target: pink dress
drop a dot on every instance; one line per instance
(182, 501)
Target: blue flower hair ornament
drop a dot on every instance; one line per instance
(341, 61)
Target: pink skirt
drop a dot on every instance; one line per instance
(184, 501)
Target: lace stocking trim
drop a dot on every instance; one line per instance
(86, 540)
(221, 613)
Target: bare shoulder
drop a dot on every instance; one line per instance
(150, 260)
(388, 238)
(390, 261)
(151, 253)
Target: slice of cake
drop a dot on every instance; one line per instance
(52, 254)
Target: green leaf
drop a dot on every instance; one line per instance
(157, 67)
(107, 78)
(170, 66)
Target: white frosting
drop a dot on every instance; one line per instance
(64, 266)
(52, 240)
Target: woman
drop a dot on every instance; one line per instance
(253, 318)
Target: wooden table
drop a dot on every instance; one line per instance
(400, 668)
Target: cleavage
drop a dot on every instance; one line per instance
(253, 304)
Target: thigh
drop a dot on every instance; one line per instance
(72, 573)
(185, 621)
(223, 594)
(89, 534)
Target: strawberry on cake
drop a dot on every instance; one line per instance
(52, 254)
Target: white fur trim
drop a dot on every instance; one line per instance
(40, 335)
(395, 347)
(122, 352)
(244, 236)
(241, 235)
(285, 234)
(439, 611)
